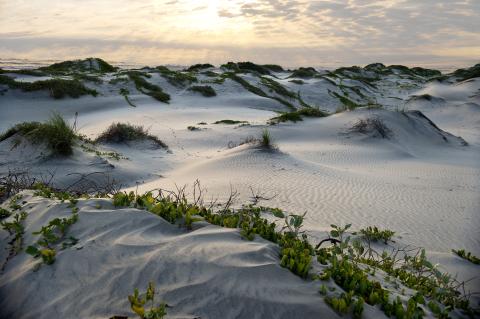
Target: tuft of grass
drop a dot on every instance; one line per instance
(230, 122)
(89, 64)
(206, 91)
(58, 135)
(347, 103)
(266, 140)
(273, 67)
(125, 132)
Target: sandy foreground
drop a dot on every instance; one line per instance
(423, 183)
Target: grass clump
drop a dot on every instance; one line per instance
(58, 135)
(273, 67)
(230, 122)
(177, 78)
(266, 139)
(467, 74)
(206, 91)
(467, 256)
(125, 92)
(125, 132)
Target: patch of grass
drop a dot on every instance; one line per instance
(304, 73)
(206, 91)
(198, 67)
(125, 94)
(89, 64)
(146, 87)
(349, 104)
(468, 73)
(229, 122)
(210, 74)
(296, 116)
(125, 132)
(31, 72)
(58, 135)
(277, 87)
(58, 88)
(250, 66)
(177, 78)
(299, 82)
(89, 78)
(467, 256)
(273, 67)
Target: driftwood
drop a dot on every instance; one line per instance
(332, 240)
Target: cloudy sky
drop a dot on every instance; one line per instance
(287, 32)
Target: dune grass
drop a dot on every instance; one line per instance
(229, 122)
(56, 133)
(277, 87)
(266, 139)
(298, 115)
(146, 87)
(199, 67)
(125, 132)
(205, 90)
(58, 88)
(89, 64)
(304, 73)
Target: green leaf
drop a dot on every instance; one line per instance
(32, 250)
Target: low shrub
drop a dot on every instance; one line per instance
(375, 234)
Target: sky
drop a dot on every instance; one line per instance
(286, 32)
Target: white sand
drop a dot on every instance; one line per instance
(424, 188)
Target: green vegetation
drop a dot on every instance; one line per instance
(125, 92)
(296, 81)
(467, 74)
(193, 128)
(347, 103)
(266, 140)
(273, 67)
(137, 304)
(52, 235)
(58, 88)
(414, 271)
(277, 87)
(4, 213)
(90, 64)
(177, 78)
(296, 116)
(24, 72)
(125, 132)
(230, 122)
(206, 91)
(243, 67)
(374, 234)
(304, 73)
(198, 67)
(146, 87)
(467, 256)
(56, 133)
(16, 229)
